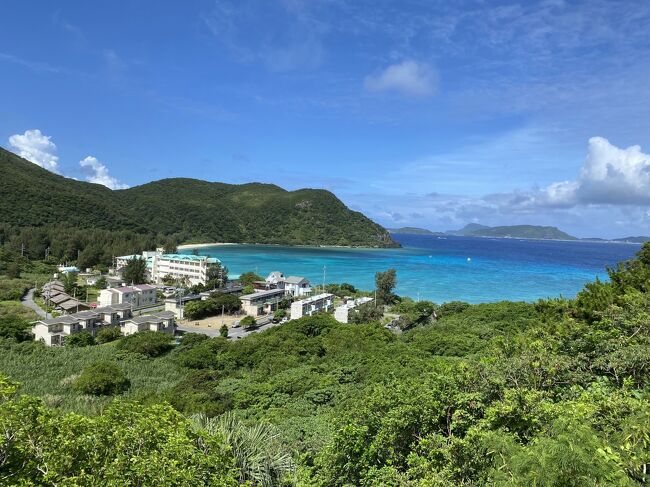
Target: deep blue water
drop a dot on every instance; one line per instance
(438, 269)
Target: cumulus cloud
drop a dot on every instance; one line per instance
(408, 78)
(36, 148)
(96, 172)
(609, 176)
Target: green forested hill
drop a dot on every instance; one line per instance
(524, 231)
(187, 208)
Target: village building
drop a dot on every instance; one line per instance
(54, 331)
(139, 296)
(192, 268)
(311, 306)
(72, 306)
(293, 285)
(342, 313)
(261, 302)
(163, 322)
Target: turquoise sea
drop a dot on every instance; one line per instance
(442, 269)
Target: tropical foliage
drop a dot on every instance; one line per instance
(90, 224)
(546, 394)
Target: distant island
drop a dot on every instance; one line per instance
(535, 232)
(638, 240)
(478, 230)
(513, 231)
(413, 231)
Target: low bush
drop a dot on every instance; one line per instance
(81, 339)
(108, 334)
(147, 343)
(102, 379)
(15, 328)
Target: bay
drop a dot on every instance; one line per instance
(442, 269)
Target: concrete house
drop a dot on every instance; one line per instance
(311, 306)
(342, 313)
(261, 302)
(54, 331)
(297, 286)
(138, 296)
(292, 285)
(163, 322)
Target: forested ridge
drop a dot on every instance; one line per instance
(553, 393)
(34, 200)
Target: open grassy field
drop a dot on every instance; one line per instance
(49, 373)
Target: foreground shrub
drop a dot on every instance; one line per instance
(102, 379)
(129, 444)
(148, 343)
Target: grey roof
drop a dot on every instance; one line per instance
(73, 303)
(84, 315)
(60, 298)
(295, 280)
(56, 282)
(60, 320)
(153, 318)
(53, 287)
(261, 294)
(114, 308)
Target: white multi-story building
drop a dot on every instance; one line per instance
(342, 313)
(311, 306)
(137, 296)
(193, 268)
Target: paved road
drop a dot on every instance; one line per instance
(28, 301)
(233, 333)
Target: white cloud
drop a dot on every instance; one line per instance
(609, 176)
(408, 77)
(96, 172)
(36, 148)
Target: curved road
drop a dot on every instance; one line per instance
(28, 301)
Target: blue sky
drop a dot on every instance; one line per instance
(424, 113)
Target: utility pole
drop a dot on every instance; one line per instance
(22, 249)
(47, 252)
(324, 271)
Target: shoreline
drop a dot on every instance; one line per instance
(204, 245)
(223, 244)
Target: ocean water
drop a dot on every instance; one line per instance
(442, 269)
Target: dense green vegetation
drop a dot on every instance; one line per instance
(216, 304)
(551, 393)
(90, 224)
